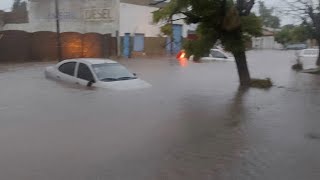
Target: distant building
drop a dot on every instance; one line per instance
(267, 40)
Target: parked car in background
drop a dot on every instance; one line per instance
(313, 53)
(217, 55)
(296, 47)
(101, 73)
(308, 57)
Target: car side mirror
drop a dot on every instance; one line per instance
(91, 82)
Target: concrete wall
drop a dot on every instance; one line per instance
(155, 46)
(137, 19)
(82, 16)
(265, 42)
(1, 20)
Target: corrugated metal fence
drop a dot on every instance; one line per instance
(20, 46)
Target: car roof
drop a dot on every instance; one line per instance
(96, 60)
(311, 49)
(297, 45)
(91, 61)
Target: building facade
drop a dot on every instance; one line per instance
(128, 21)
(142, 36)
(266, 41)
(82, 16)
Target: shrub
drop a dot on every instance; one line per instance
(261, 83)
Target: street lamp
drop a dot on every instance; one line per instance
(58, 30)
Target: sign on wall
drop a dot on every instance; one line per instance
(98, 14)
(74, 10)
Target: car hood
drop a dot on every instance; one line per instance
(216, 59)
(124, 85)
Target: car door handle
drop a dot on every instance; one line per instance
(58, 77)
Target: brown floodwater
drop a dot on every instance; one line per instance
(193, 124)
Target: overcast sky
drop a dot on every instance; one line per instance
(7, 4)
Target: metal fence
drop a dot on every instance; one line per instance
(21, 46)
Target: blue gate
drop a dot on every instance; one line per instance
(176, 43)
(126, 45)
(138, 42)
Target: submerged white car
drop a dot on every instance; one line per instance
(100, 73)
(217, 55)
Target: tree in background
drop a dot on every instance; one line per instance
(302, 33)
(294, 34)
(309, 12)
(284, 36)
(19, 5)
(267, 17)
(225, 20)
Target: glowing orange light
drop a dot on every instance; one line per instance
(183, 55)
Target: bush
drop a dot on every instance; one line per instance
(261, 83)
(297, 67)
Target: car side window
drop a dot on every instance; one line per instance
(68, 68)
(84, 72)
(217, 54)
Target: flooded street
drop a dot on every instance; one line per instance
(193, 124)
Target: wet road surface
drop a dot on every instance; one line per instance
(193, 124)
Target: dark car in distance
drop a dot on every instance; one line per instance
(296, 47)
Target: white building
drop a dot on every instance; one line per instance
(83, 16)
(129, 20)
(266, 41)
(136, 21)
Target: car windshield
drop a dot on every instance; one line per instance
(112, 72)
(228, 54)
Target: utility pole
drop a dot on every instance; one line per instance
(59, 51)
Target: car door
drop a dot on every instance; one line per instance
(66, 72)
(84, 74)
(217, 55)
